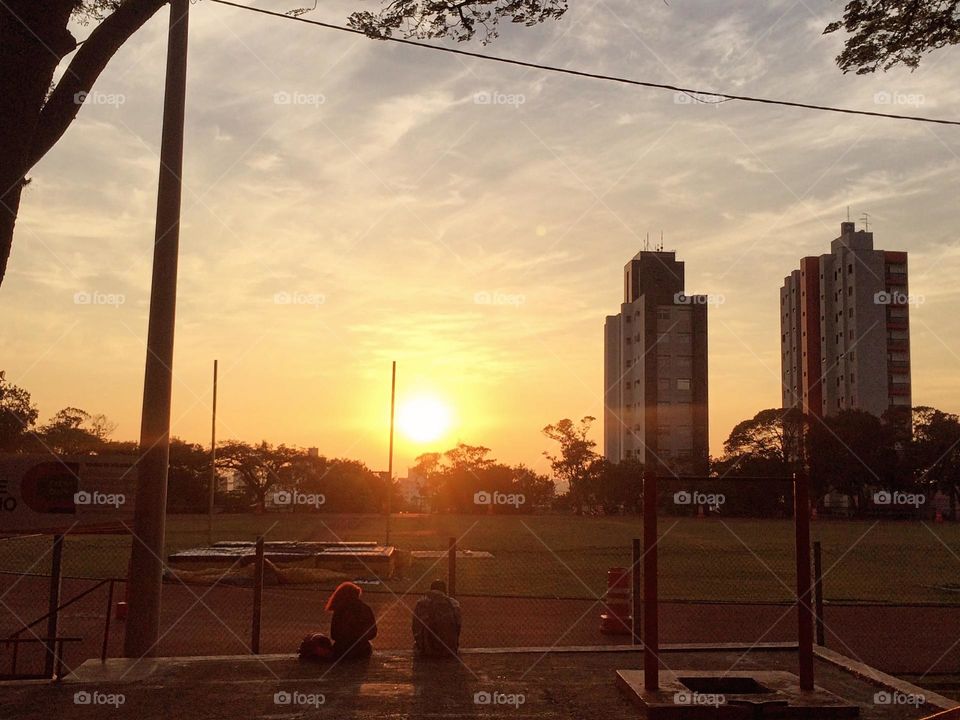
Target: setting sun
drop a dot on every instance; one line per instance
(424, 418)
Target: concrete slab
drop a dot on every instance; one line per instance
(532, 685)
(733, 694)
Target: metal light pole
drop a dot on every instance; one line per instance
(213, 458)
(146, 561)
(393, 395)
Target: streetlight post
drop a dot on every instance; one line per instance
(393, 395)
(146, 561)
(213, 459)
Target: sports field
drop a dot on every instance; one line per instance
(567, 557)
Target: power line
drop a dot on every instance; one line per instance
(598, 76)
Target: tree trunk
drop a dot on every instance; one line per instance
(33, 40)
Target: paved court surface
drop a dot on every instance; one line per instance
(391, 685)
(200, 620)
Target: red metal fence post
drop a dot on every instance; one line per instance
(651, 643)
(635, 599)
(257, 597)
(801, 514)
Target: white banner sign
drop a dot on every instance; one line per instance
(56, 493)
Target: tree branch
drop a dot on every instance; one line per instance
(64, 102)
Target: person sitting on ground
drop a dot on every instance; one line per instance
(436, 623)
(353, 625)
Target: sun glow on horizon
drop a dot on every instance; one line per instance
(424, 418)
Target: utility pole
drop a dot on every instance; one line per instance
(213, 458)
(393, 396)
(147, 555)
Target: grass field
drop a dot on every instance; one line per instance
(564, 556)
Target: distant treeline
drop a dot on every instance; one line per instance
(858, 464)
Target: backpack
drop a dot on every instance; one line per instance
(440, 636)
(315, 646)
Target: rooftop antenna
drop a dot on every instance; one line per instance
(660, 249)
(646, 243)
(848, 213)
(866, 222)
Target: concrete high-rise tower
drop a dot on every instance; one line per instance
(655, 370)
(845, 329)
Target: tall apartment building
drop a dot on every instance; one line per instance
(845, 329)
(655, 370)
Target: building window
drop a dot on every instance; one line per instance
(850, 269)
(683, 383)
(850, 291)
(663, 313)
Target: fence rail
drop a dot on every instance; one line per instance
(537, 580)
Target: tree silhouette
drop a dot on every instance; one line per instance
(35, 41)
(884, 33)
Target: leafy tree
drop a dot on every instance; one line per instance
(851, 452)
(457, 20)
(18, 415)
(72, 431)
(885, 33)
(769, 443)
(619, 486)
(453, 479)
(188, 479)
(260, 467)
(537, 488)
(934, 452)
(347, 485)
(465, 470)
(577, 464)
(35, 41)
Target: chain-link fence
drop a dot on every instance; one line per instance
(727, 573)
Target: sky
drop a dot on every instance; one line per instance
(349, 202)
